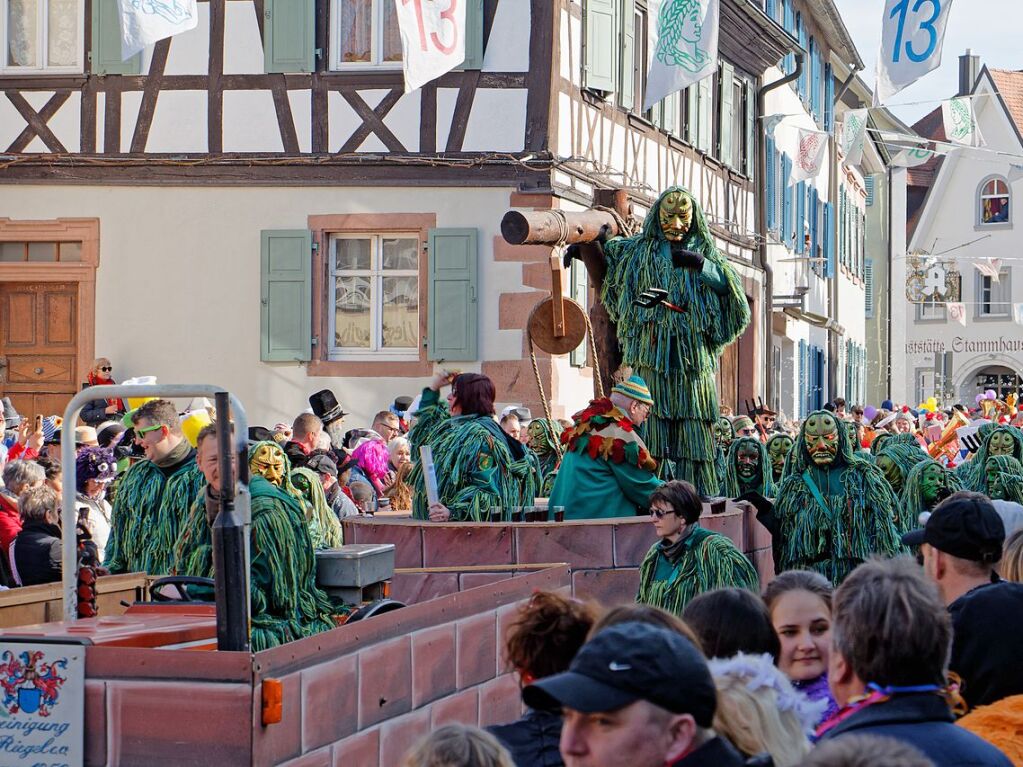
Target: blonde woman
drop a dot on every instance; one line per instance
(458, 745)
(100, 410)
(1011, 566)
(759, 711)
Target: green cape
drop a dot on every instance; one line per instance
(763, 483)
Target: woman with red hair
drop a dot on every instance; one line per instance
(478, 466)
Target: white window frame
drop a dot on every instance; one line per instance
(931, 310)
(376, 40)
(376, 350)
(1004, 286)
(42, 41)
(980, 224)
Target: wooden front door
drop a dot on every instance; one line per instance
(39, 345)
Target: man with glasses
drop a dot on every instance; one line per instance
(154, 495)
(607, 470)
(387, 425)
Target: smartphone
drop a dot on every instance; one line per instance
(39, 423)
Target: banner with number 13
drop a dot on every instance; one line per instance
(912, 35)
(432, 38)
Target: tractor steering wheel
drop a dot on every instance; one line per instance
(181, 582)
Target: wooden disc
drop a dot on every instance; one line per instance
(541, 327)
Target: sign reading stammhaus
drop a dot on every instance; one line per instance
(960, 344)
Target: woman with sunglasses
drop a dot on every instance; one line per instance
(687, 560)
(100, 410)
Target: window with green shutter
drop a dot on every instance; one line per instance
(579, 292)
(473, 35)
(285, 312)
(105, 54)
(599, 45)
(632, 56)
(288, 35)
(451, 332)
(726, 113)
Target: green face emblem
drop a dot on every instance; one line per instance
(747, 461)
(933, 484)
(891, 472)
(778, 451)
(1001, 443)
(821, 435)
(995, 490)
(723, 432)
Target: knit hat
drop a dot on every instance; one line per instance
(741, 422)
(96, 463)
(635, 388)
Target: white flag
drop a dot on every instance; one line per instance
(687, 46)
(771, 122)
(957, 312)
(910, 158)
(432, 39)
(960, 122)
(813, 146)
(1017, 313)
(143, 22)
(854, 130)
(989, 267)
(912, 35)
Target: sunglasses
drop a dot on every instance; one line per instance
(106, 368)
(146, 429)
(660, 513)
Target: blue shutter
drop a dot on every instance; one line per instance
(842, 250)
(288, 35)
(800, 224)
(868, 287)
(452, 318)
(105, 54)
(786, 201)
(814, 211)
(285, 312)
(771, 183)
(801, 35)
(829, 99)
(599, 61)
(868, 183)
(789, 22)
(829, 240)
(818, 392)
(802, 378)
(473, 35)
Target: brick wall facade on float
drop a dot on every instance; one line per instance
(603, 555)
(360, 695)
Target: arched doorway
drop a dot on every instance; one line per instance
(1002, 380)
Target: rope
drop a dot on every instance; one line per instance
(598, 385)
(539, 385)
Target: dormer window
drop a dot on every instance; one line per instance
(994, 201)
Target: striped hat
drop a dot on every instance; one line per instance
(635, 388)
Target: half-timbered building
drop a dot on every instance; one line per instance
(258, 203)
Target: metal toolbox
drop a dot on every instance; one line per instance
(354, 565)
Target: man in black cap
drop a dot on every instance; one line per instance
(636, 695)
(960, 544)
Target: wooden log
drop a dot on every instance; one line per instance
(548, 227)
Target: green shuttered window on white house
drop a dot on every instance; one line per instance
(105, 54)
(373, 296)
(364, 34)
(289, 37)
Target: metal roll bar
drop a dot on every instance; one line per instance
(69, 514)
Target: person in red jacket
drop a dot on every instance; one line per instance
(18, 477)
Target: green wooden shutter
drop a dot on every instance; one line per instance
(750, 121)
(473, 35)
(288, 36)
(706, 102)
(105, 55)
(579, 290)
(669, 118)
(727, 114)
(451, 330)
(285, 311)
(599, 57)
(627, 66)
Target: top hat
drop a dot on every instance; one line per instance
(326, 407)
(11, 416)
(401, 404)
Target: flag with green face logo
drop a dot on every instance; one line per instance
(686, 46)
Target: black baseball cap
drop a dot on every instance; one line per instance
(322, 463)
(626, 663)
(965, 526)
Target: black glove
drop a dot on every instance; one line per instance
(687, 259)
(572, 251)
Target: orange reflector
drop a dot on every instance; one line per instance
(386, 590)
(273, 701)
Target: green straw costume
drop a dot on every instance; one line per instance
(707, 561)
(676, 353)
(971, 473)
(912, 502)
(1010, 476)
(763, 482)
(148, 513)
(475, 469)
(849, 517)
(324, 526)
(547, 454)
